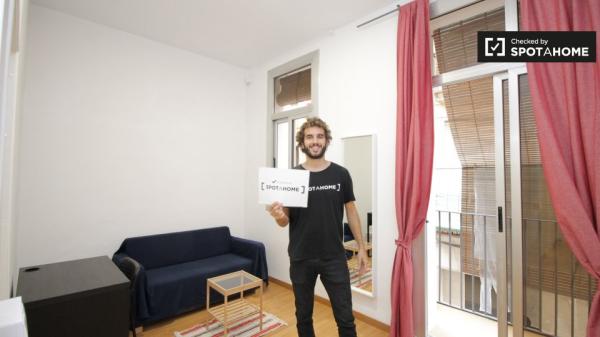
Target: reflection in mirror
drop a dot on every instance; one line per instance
(358, 159)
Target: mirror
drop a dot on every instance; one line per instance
(358, 159)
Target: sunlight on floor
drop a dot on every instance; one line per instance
(456, 323)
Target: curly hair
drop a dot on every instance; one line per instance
(312, 122)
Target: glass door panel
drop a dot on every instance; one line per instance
(463, 210)
(299, 156)
(510, 229)
(282, 144)
(557, 291)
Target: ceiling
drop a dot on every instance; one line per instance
(244, 33)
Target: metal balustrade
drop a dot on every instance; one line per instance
(544, 248)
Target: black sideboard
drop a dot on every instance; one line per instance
(80, 298)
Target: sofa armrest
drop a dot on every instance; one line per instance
(138, 287)
(255, 251)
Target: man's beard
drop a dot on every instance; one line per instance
(312, 156)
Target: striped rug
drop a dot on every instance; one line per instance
(247, 327)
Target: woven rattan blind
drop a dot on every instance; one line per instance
(456, 45)
(293, 88)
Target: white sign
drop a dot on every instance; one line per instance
(290, 187)
(12, 318)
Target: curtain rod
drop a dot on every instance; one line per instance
(379, 17)
(435, 17)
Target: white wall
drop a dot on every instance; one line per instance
(356, 97)
(122, 136)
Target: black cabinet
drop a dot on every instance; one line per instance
(80, 298)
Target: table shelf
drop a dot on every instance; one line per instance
(236, 310)
(230, 284)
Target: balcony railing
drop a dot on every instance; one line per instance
(558, 292)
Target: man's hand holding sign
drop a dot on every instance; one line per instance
(279, 213)
(287, 187)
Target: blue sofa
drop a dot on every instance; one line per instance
(175, 266)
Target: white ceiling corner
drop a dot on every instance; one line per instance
(243, 33)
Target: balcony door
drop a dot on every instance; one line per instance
(509, 227)
(492, 237)
(500, 254)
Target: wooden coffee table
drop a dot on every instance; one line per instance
(231, 284)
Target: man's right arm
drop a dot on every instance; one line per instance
(279, 213)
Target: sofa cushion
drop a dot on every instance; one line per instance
(155, 251)
(180, 287)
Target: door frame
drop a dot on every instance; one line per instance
(517, 282)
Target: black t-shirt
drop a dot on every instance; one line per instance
(317, 231)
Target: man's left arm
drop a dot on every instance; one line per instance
(354, 224)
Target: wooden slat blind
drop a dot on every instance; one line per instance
(293, 88)
(456, 45)
(470, 111)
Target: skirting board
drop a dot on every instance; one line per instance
(325, 301)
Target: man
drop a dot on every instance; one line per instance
(316, 246)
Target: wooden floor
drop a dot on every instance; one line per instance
(277, 300)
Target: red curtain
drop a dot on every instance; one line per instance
(414, 153)
(566, 103)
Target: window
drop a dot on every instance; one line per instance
(292, 90)
(292, 99)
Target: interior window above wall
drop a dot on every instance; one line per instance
(293, 90)
(292, 99)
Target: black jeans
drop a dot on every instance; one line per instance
(336, 279)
